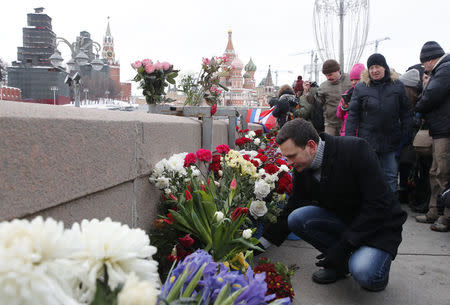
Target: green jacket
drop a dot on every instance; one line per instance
(306, 104)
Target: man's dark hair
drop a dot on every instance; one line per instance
(300, 131)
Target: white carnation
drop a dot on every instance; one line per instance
(247, 233)
(284, 168)
(162, 182)
(167, 191)
(262, 189)
(251, 134)
(258, 208)
(257, 141)
(195, 171)
(137, 292)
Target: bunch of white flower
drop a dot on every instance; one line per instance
(41, 263)
(167, 174)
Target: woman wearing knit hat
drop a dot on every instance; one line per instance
(342, 108)
(381, 112)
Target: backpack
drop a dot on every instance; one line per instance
(317, 116)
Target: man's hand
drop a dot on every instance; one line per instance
(335, 257)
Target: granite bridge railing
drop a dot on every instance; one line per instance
(72, 163)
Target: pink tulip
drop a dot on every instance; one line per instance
(233, 184)
(150, 68)
(137, 64)
(165, 65)
(205, 61)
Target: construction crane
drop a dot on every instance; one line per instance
(377, 42)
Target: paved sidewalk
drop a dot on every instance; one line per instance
(420, 274)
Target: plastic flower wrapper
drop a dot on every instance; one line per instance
(32, 256)
(110, 248)
(202, 281)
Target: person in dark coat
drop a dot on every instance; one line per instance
(381, 112)
(435, 106)
(286, 105)
(340, 204)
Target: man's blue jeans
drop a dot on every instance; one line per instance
(322, 229)
(389, 165)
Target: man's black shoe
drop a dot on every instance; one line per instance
(420, 208)
(327, 276)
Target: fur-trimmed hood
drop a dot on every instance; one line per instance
(366, 79)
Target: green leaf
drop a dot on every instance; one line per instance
(104, 295)
(222, 294)
(176, 288)
(190, 288)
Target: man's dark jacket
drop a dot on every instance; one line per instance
(435, 101)
(353, 187)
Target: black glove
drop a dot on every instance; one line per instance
(336, 257)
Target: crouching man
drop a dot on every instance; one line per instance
(341, 205)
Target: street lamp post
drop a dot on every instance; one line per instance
(78, 58)
(85, 90)
(54, 89)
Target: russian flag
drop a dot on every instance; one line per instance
(267, 120)
(253, 115)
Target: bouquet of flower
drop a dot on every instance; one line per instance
(200, 280)
(209, 78)
(250, 140)
(278, 278)
(43, 263)
(153, 78)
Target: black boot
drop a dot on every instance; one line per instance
(327, 276)
(420, 207)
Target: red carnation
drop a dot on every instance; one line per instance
(223, 149)
(271, 168)
(186, 241)
(190, 159)
(259, 132)
(215, 164)
(255, 163)
(246, 157)
(204, 155)
(281, 162)
(246, 130)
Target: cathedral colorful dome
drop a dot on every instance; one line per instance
(250, 67)
(237, 64)
(246, 75)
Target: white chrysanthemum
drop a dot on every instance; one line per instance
(262, 189)
(30, 255)
(258, 208)
(162, 182)
(247, 233)
(195, 172)
(160, 167)
(121, 249)
(137, 292)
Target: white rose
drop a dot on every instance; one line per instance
(220, 172)
(218, 216)
(247, 233)
(257, 141)
(258, 208)
(262, 189)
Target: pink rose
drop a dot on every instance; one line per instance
(158, 66)
(150, 68)
(165, 65)
(137, 64)
(205, 61)
(147, 61)
(204, 155)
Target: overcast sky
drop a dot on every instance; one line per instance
(182, 32)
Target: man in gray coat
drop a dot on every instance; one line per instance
(330, 92)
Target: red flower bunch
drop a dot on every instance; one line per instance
(238, 212)
(278, 281)
(242, 140)
(190, 159)
(284, 184)
(215, 165)
(223, 148)
(204, 155)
